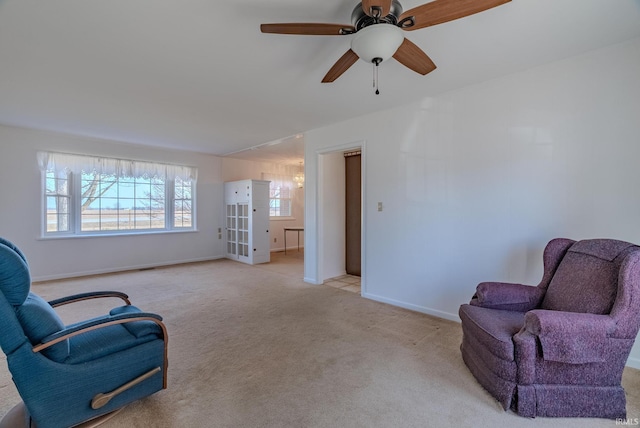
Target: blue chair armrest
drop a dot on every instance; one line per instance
(87, 296)
(97, 323)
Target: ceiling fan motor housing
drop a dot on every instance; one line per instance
(360, 19)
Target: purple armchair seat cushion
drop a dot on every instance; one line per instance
(493, 328)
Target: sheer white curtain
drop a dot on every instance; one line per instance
(119, 167)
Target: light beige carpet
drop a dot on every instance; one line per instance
(257, 347)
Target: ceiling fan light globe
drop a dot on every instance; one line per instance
(377, 41)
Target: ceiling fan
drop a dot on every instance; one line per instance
(377, 28)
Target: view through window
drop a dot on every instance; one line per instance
(86, 195)
(280, 194)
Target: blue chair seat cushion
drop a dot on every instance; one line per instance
(137, 328)
(39, 320)
(102, 342)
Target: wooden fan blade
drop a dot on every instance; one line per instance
(342, 65)
(411, 56)
(439, 11)
(373, 7)
(313, 29)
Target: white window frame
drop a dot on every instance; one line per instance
(58, 194)
(279, 182)
(74, 165)
(173, 198)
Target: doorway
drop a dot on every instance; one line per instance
(332, 220)
(353, 212)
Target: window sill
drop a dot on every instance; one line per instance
(282, 218)
(111, 235)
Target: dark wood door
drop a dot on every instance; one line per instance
(353, 170)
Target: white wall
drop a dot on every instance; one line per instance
(20, 213)
(475, 182)
(239, 169)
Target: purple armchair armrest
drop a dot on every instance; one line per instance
(571, 337)
(507, 296)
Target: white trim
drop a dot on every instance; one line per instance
(363, 219)
(290, 249)
(633, 362)
(356, 145)
(140, 232)
(412, 307)
(122, 269)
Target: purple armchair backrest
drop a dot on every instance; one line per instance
(587, 277)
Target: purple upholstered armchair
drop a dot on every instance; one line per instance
(558, 349)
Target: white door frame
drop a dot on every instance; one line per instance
(314, 266)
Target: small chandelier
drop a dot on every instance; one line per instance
(299, 178)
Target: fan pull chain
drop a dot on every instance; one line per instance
(373, 69)
(376, 62)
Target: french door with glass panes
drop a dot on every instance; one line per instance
(238, 230)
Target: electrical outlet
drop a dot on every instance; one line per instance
(275, 239)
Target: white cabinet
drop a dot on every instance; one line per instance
(247, 221)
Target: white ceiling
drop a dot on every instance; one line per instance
(199, 75)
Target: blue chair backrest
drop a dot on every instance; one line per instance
(15, 282)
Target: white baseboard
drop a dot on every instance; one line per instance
(289, 249)
(120, 269)
(412, 307)
(632, 362)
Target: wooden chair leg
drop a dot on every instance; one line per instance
(18, 417)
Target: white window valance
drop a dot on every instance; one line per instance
(51, 161)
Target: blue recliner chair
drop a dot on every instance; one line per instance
(67, 375)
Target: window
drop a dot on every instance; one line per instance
(57, 200)
(279, 201)
(109, 202)
(88, 195)
(280, 195)
(183, 202)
